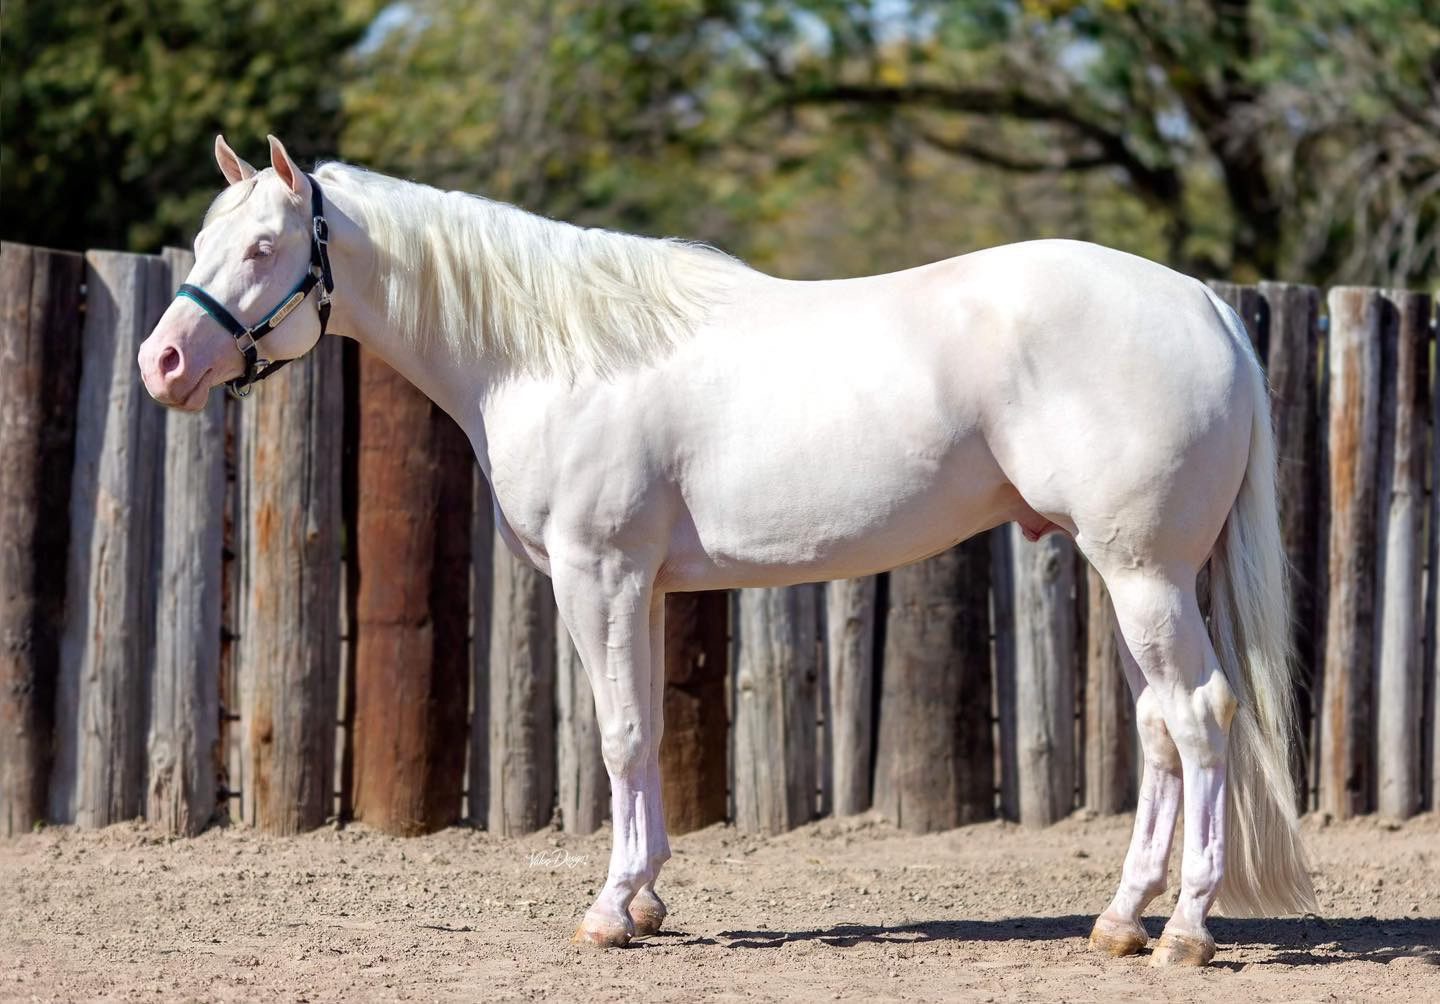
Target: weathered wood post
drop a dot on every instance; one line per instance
(1431, 669)
(777, 642)
(1292, 369)
(1346, 778)
(692, 751)
(289, 646)
(185, 699)
(583, 786)
(1110, 755)
(850, 665)
(1405, 356)
(482, 586)
(412, 659)
(1046, 663)
(40, 339)
(934, 766)
(522, 697)
(107, 647)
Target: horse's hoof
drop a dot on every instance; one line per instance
(600, 931)
(1117, 938)
(647, 912)
(1183, 950)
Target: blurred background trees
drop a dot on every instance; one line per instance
(1248, 138)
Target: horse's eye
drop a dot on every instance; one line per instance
(259, 250)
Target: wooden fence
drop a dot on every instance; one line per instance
(296, 608)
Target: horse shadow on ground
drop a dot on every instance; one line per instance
(1346, 939)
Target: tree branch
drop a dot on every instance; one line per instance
(1159, 185)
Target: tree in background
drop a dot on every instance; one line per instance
(1311, 127)
(111, 108)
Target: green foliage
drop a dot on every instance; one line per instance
(110, 108)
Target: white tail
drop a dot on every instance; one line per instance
(1265, 867)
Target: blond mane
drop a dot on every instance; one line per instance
(539, 295)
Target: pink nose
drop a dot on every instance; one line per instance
(170, 361)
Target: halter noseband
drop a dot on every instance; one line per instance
(319, 274)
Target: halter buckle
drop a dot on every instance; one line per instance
(245, 342)
(321, 229)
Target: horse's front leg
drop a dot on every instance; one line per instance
(606, 604)
(647, 909)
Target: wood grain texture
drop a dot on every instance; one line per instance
(777, 666)
(934, 763)
(522, 697)
(1293, 370)
(40, 337)
(582, 785)
(1346, 779)
(289, 648)
(850, 628)
(107, 647)
(183, 747)
(1400, 524)
(412, 660)
(1109, 739)
(1046, 665)
(482, 587)
(1430, 725)
(1002, 621)
(693, 747)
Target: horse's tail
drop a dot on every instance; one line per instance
(1265, 866)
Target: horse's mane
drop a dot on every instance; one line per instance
(537, 294)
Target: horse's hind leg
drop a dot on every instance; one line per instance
(1160, 621)
(1119, 931)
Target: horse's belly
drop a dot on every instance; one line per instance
(835, 515)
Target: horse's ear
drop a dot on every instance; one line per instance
(231, 165)
(285, 169)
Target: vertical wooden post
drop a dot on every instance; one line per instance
(1109, 709)
(850, 666)
(1431, 669)
(776, 671)
(692, 751)
(290, 640)
(1405, 355)
(1292, 368)
(412, 660)
(39, 371)
(1352, 460)
(107, 647)
(522, 697)
(1002, 620)
(583, 785)
(185, 699)
(934, 766)
(482, 588)
(1045, 669)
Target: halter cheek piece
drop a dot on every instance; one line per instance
(319, 274)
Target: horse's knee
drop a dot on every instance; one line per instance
(1155, 743)
(624, 746)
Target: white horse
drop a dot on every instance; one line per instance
(655, 416)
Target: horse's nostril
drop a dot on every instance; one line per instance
(169, 360)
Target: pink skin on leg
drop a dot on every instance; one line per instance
(1119, 931)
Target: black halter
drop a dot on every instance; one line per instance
(256, 368)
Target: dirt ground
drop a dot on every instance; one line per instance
(837, 910)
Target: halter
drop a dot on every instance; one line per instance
(319, 274)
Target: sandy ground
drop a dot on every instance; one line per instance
(837, 910)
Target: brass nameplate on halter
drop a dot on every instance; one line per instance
(284, 310)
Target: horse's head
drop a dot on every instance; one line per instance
(255, 243)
